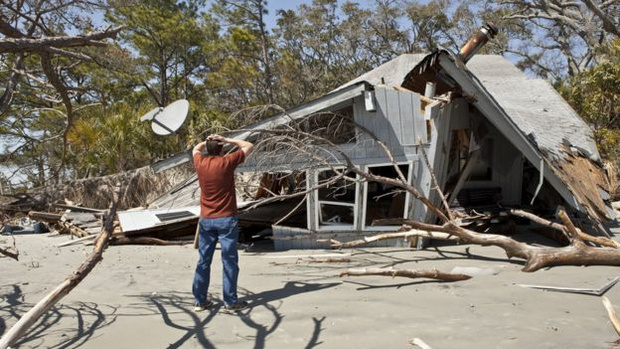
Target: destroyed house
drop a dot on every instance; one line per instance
(493, 137)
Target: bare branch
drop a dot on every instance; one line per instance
(11, 252)
(409, 273)
(15, 45)
(608, 22)
(387, 236)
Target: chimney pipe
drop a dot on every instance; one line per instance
(486, 33)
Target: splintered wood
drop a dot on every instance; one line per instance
(585, 179)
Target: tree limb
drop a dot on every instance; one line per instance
(408, 273)
(11, 252)
(14, 45)
(400, 235)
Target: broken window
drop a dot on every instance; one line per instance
(384, 200)
(336, 200)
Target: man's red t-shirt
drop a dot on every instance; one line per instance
(217, 183)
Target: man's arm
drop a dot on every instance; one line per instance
(245, 146)
(199, 148)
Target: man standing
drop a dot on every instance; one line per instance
(218, 217)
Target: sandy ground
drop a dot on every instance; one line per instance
(139, 297)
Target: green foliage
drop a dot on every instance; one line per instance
(595, 95)
(222, 57)
(112, 139)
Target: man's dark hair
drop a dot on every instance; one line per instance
(214, 148)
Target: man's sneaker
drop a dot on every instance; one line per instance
(236, 306)
(202, 306)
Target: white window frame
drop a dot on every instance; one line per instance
(317, 204)
(364, 198)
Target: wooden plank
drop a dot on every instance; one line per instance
(75, 241)
(78, 208)
(44, 216)
(311, 208)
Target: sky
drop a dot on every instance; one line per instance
(274, 5)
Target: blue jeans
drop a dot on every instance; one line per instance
(226, 230)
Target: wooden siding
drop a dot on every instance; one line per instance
(398, 122)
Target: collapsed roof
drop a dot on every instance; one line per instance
(527, 111)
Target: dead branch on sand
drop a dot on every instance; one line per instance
(409, 273)
(400, 235)
(612, 314)
(11, 252)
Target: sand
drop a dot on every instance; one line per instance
(140, 297)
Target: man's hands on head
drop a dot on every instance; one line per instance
(245, 146)
(216, 137)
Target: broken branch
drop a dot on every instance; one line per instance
(409, 273)
(612, 314)
(400, 235)
(598, 240)
(42, 44)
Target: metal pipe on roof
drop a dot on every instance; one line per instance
(430, 89)
(486, 33)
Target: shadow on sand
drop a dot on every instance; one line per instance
(179, 304)
(85, 319)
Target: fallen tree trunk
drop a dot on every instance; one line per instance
(26, 321)
(577, 253)
(409, 273)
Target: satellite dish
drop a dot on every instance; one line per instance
(149, 116)
(165, 121)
